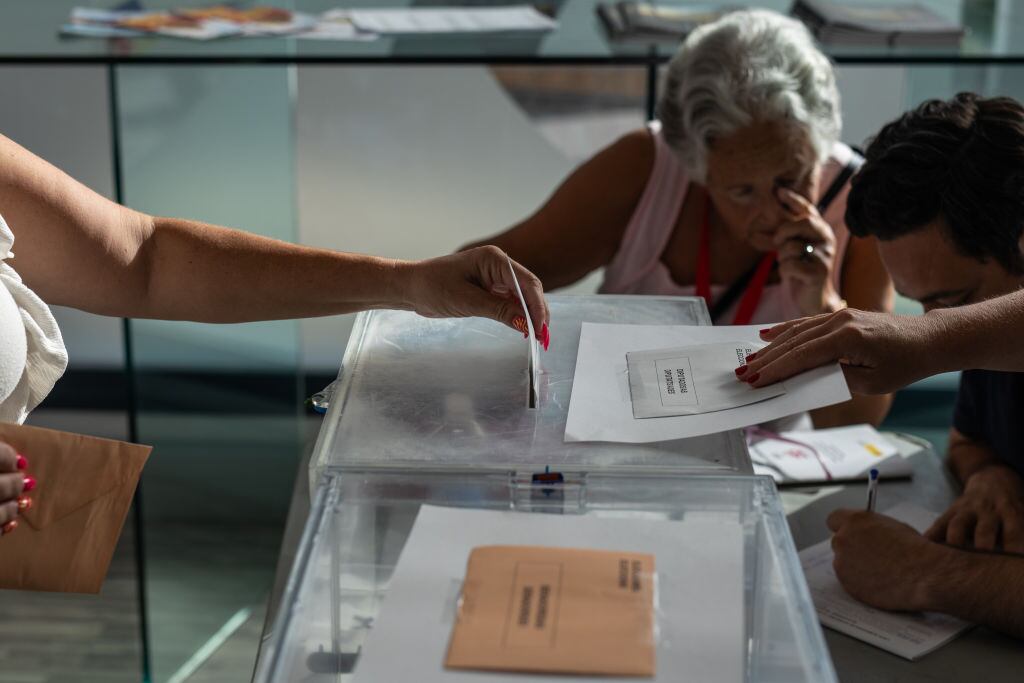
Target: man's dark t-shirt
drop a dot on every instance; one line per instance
(990, 410)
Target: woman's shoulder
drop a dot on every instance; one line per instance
(635, 150)
(620, 171)
(840, 156)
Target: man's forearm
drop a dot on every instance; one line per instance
(986, 335)
(983, 588)
(199, 272)
(965, 456)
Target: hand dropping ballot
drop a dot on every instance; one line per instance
(691, 380)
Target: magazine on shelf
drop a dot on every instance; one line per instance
(877, 24)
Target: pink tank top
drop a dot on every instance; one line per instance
(637, 267)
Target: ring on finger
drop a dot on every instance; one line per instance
(807, 252)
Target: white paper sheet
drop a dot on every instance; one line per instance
(691, 380)
(820, 455)
(336, 24)
(600, 408)
(910, 636)
(452, 20)
(534, 353)
(700, 592)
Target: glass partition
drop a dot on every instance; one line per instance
(221, 404)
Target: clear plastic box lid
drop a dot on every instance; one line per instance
(417, 392)
(361, 520)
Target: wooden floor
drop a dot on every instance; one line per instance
(61, 638)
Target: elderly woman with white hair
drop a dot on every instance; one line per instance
(736, 194)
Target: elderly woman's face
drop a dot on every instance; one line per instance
(746, 168)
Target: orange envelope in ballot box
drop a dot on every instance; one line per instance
(85, 486)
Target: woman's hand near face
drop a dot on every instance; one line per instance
(13, 483)
(808, 272)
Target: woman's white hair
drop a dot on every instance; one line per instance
(749, 66)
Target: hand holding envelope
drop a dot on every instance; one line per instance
(66, 539)
(15, 484)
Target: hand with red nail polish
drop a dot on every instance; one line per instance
(12, 483)
(474, 282)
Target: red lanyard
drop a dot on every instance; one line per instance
(752, 296)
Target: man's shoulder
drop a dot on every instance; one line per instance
(993, 381)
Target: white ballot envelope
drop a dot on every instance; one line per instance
(600, 408)
(534, 352)
(690, 380)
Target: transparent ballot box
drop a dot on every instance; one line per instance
(760, 624)
(414, 392)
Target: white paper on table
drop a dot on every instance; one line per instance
(336, 24)
(836, 454)
(208, 29)
(699, 564)
(690, 380)
(600, 408)
(299, 22)
(452, 20)
(908, 635)
(534, 357)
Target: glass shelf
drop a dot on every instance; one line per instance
(29, 34)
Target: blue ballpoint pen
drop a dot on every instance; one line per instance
(872, 489)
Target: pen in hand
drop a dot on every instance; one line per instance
(872, 489)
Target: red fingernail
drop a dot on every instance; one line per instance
(751, 356)
(24, 503)
(10, 526)
(22, 462)
(545, 336)
(30, 483)
(765, 331)
(740, 370)
(753, 378)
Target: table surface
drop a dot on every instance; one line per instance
(978, 655)
(29, 33)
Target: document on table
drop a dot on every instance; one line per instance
(600, 408)
(556, 610)
(699, 565)
(821, 455)
(910, 636)
(336, 24)
(452, 20)
(691, 380)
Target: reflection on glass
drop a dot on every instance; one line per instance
(219, 403)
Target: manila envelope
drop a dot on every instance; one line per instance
(65, 542)
(556, 610)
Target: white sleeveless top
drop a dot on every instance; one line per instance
(32, 353)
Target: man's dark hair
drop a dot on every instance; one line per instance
(961, 160)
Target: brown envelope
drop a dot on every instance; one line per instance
(556, 610)
(65, 542)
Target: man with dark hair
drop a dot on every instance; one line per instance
(942, 189)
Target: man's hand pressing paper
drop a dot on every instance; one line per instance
(879, 352)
